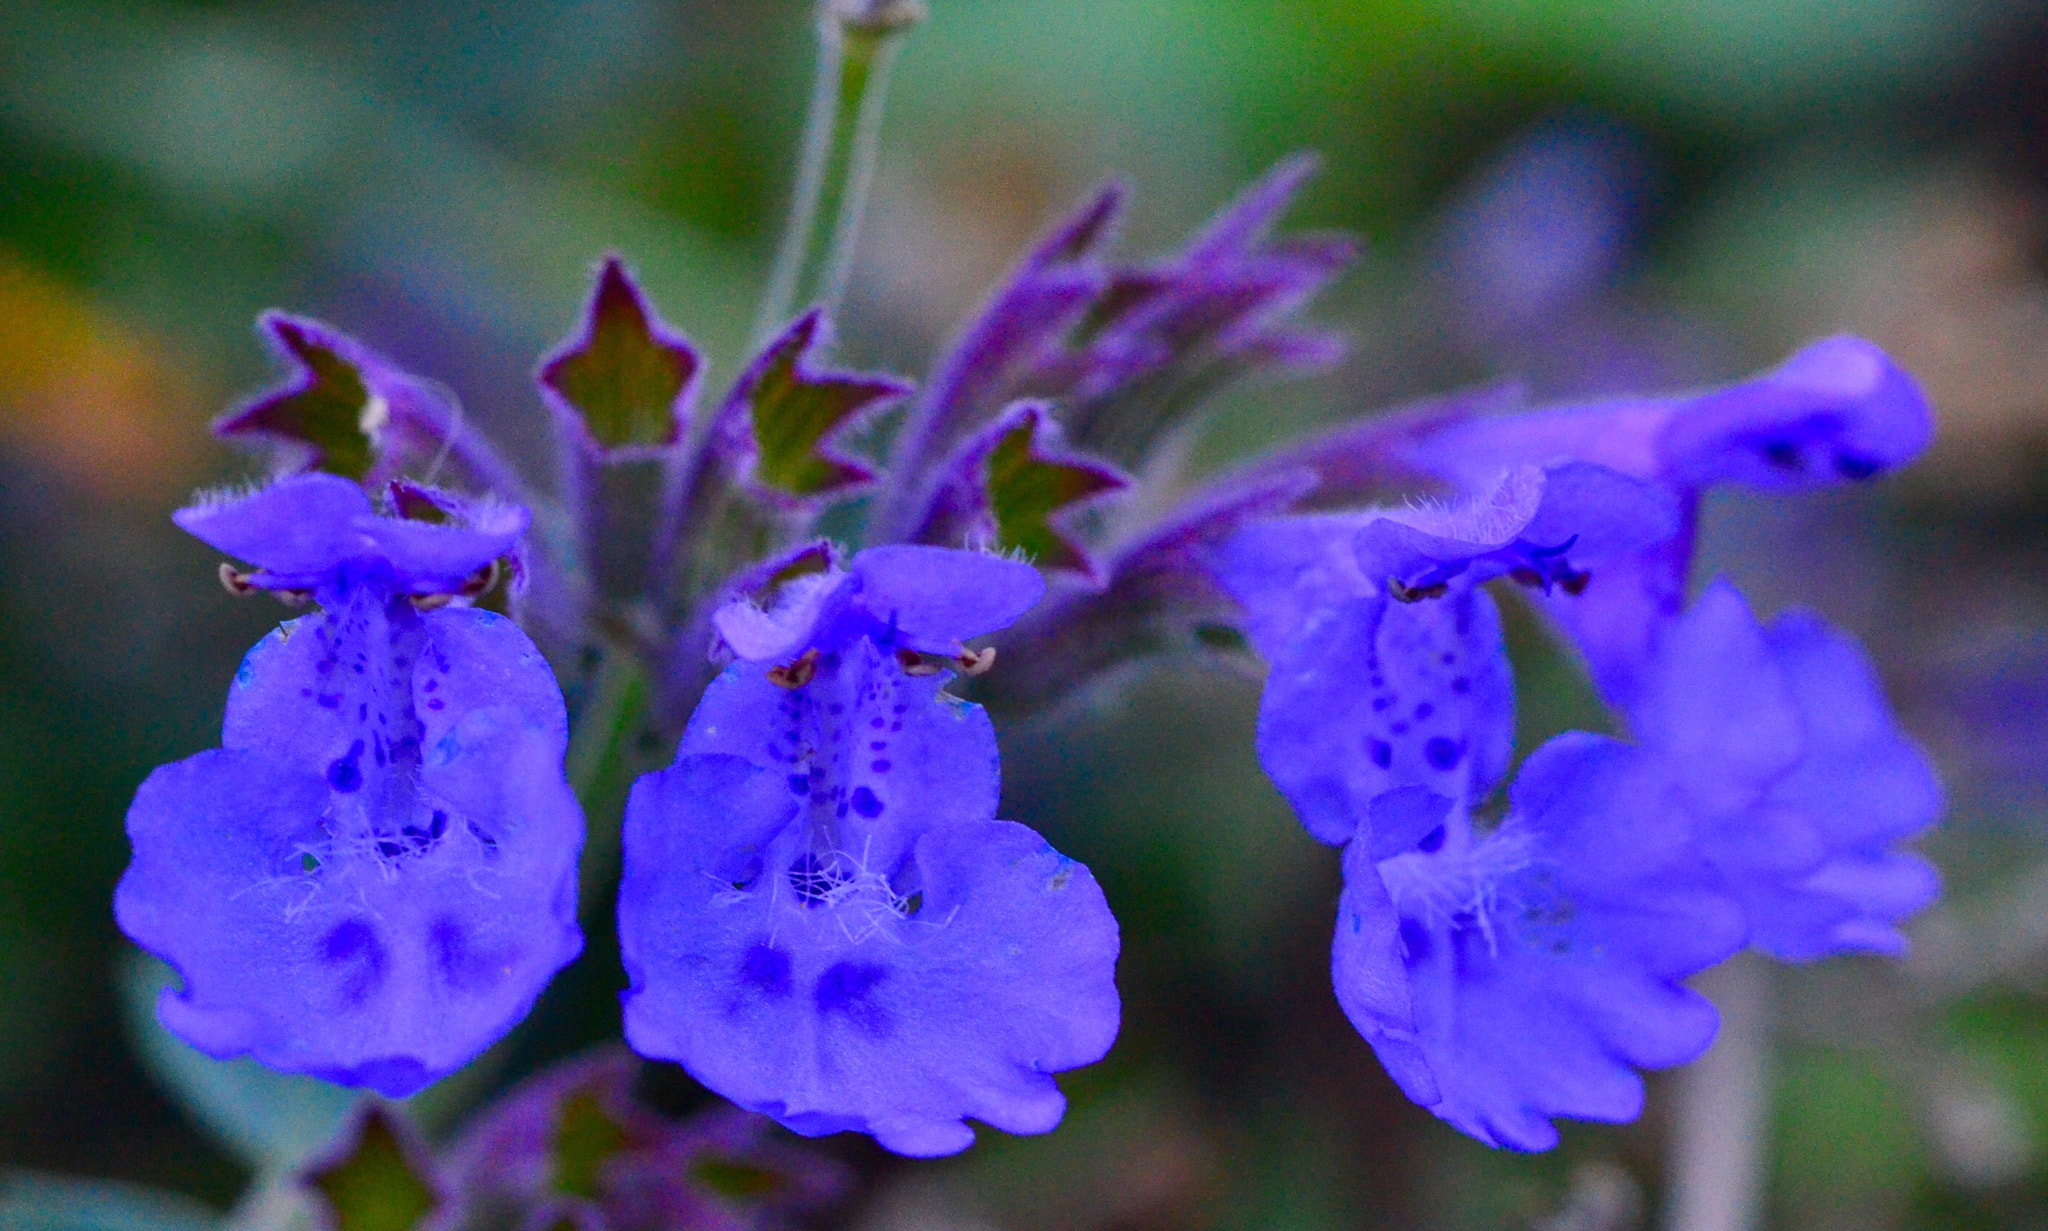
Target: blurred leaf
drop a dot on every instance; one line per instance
(2007, 1034)
(626, 374)
(31, 1202)
(1848, 1148)
(586, 1138)
(272, 1121)
(374, 1185)
(737, 1180)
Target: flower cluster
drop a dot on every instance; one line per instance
(819, 912)
(1510, 973)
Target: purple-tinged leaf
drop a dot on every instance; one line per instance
(376, 1178)
(624, 376)
(1124, 352)
(1162, 337)
(1011, 483)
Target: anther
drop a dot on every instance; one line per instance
(1575, 584)
(913, 663)
(976, 662)
(235, 581)
(797, 674)
(1526, 576)
(292, 598)
(1403, 593)
(431, 602)
(481, 581)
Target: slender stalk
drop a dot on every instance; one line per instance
(1723, 1124)
(600, 762)
(857, 43)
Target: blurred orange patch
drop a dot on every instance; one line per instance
(84, 394)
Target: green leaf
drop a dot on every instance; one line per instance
(1028, 480)
(794, 408)
(374, 1183)
(626, 375)
(31, 1202)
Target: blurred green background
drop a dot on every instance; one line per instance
(1588, 194)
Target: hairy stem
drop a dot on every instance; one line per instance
(858, 40)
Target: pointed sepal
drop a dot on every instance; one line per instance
(794, 408)
(376, 1177)
(625, 375)
(1013, 484)
(335, 408)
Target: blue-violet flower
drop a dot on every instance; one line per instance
(819, 914)
(375, 874)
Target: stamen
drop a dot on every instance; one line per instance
(976, 662)
(431, 602)
(481, 581)
(797, 674)
(235, 581)
(913, 663)
(1402, 593)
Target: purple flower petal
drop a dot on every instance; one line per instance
(1781, 738)
(375, 876)
(1369, 695)
(780, 631)
(1536, 521)
(1837, 410)
(1370, 974)
(300, 531)
(1545, 959)
(936, 598)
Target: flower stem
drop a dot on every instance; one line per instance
(1723, 1117)
(858, 40)
(600, 762)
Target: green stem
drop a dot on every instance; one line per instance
(858, 40)
(600, 763)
